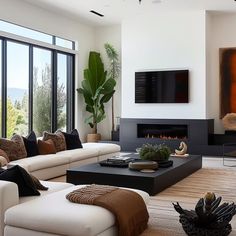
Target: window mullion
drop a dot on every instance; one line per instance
(70, 93)
(54, 91)
(31, 78)
(4, 88)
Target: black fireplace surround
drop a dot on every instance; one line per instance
(195, 132)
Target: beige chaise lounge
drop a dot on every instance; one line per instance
(51, 214)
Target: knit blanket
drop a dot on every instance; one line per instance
(128, 207)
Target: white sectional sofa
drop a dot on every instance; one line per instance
(54, 165)
(51, 214)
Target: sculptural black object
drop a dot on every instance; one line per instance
(209, 218)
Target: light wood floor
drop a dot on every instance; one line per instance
(213, 177)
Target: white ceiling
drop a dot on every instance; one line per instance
(116, 10)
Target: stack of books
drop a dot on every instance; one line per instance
(117, 161)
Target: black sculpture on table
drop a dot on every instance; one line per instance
(209, 218)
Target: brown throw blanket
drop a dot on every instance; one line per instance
(127, 206)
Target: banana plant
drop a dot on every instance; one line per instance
(97, 89)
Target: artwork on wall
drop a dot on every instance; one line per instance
(227, 81)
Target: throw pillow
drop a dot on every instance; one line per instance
(3, 154)
(46, 147)
(3, 161)
(58, 140)
(72, 139)
(31, 144)
(23, 180)
(14, 148)
(37, 183)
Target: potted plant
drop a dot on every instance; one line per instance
(209, 217)
(97, 89)
(113, 73)
(154, 152)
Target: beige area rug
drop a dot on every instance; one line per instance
(213, 177)
(164, 221)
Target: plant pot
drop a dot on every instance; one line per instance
(93, 138)
(192, 230)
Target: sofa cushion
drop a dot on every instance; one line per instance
(23, 180)
(52, 187)
(80, 153)
(31, 144)
(14, 148)
(67, 219)
(103, 148)
(46, 147)
(57, 138)
(72, 140)
(43, 161)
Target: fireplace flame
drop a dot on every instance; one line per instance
(164, 137)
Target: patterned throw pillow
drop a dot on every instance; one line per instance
(46, 147)
(14, 148)
(3, 154)
(57, 138)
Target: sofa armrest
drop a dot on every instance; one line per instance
(8, 197)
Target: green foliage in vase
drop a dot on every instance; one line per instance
(97, 89)
(155, 152)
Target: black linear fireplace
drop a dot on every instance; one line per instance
(162, 131)
(195, 132)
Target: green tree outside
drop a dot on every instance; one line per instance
(17, 113)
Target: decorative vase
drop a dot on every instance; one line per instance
(93, 138)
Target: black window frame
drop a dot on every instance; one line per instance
(70, 93)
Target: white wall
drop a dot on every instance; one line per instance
(221, 34)
(112, 35)
(172, 40)
(25, 14)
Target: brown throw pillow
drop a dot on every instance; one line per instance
(46, 147)
(3, 154)
(14, 148)
(37, 183)
(3, 161)
(58, 140)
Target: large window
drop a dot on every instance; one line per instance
(61, 91)
(38, 86)
(36, 81)
(17, 88)
(42, 90)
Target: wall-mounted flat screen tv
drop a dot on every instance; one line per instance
(162, 86)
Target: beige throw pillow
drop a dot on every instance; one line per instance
(14, 148)
(57, 138)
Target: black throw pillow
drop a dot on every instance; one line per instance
(23, 180)
(72, 140)
(31, 145)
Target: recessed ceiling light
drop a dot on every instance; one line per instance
(97, 13)
(156, 1)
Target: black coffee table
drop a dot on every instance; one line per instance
(152, 183)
